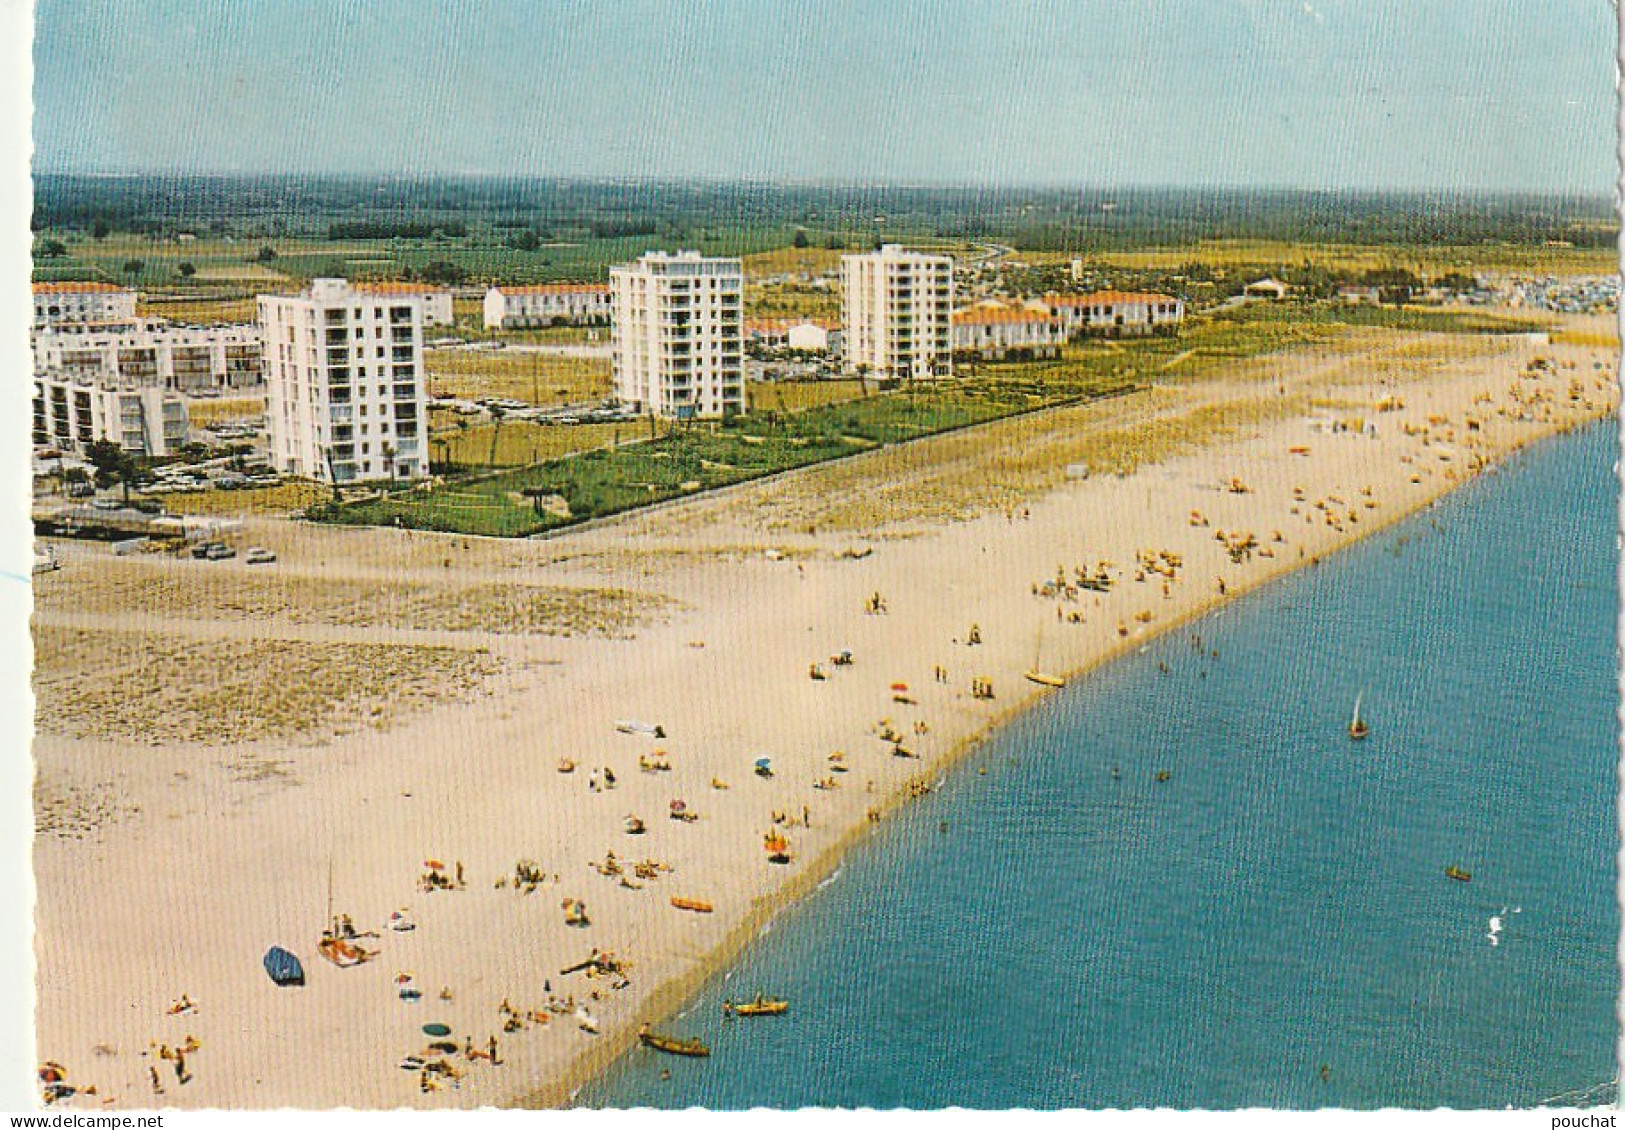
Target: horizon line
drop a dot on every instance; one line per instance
(711, 180)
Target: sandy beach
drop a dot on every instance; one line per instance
(222, 749)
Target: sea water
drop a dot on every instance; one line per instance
(1271, 925)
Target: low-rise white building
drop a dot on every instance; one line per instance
(1360, 295)
(809, 334)
(193, 360)
(71, 413)
(519, 307)
(994, 330)
(82, 302)
(1117, 313)
(1272, 290)
(346, 395)
(679, 335)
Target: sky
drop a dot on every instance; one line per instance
(1462, 95)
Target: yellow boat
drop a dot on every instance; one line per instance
(672, 1045)
(1044, 680)
(695, 905)
(761, 1006)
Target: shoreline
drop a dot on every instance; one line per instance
(673, 995)
(739, 601)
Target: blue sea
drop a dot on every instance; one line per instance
(1272, 925)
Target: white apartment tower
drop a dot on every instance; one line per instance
(678, 338)
(897, 306)
(345, 391)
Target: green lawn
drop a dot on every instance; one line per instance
(688, 459)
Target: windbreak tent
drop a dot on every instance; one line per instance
(283, 967)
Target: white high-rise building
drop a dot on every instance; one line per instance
(679, 340)
(346, 398)
(897, 306)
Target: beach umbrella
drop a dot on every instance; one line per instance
(434, 865)
(678, 806)
(899, 686)
(436, 1030)
(764, 763)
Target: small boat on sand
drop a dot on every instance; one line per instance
(698, 906)
(647, 729)
(672, 1045)
(1036, 673)
(761, 1006)
(1458, 874)
(343, 953)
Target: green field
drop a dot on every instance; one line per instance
(516, 443)
(691, 458)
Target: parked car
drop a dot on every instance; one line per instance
(213, 551)
(259, 555)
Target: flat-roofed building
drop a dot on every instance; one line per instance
(678, 335)
(552, 304)
(82, 302)
(897, 306)
(192, 360)
(346, 398)
(437, 308)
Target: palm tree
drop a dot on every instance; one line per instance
(389, 460)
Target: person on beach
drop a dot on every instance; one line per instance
(493, 1051)
(157, 1083)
